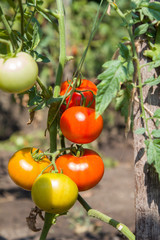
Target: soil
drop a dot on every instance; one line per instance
(113, 196)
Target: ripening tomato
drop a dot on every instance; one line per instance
(18, 74)
(86, 88)
(86, 171)
(54, 193)
(79, 125)
(23, 169)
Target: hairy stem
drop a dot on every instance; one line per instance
(22, 17)
(52, 126)
(96, 214)
(9, 30)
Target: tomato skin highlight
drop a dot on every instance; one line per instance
(77, 99)
(23, 169)
(79, 125)
(18, 74)
(54, 193)
(86, 171)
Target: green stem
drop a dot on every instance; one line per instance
(46, 11)
(9, 30)
(136, 63)
(44, 89)
(141, 99)
(96, 214)
(53, 126)
(22, 17)
(49, 217)
(62, 55)
(62, 61)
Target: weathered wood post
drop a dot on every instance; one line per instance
(147, 184)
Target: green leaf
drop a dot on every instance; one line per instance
(151, 10)
(123, 99)
(11, 3)
(109, 85)
(156, 133)
(153, 154)
(141, 29)
(152, 81)
(157, 113)
(136, 3)
(140, 131)
(124, 51)
(36, 35)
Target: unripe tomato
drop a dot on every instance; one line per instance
(86, 88)
(86, 171)
(23, 169)
(18, 74)
(54, 193)
(79, 125)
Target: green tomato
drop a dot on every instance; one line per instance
(54, 193)
(18, 74)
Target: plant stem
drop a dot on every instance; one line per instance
(62, 60)
(62, 55)
(49, 217)
(136, 64)
(9, 30)
(22, 17)
(96, 214)
(53, 108)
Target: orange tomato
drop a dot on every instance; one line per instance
(23, 169)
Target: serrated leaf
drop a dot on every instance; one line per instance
(141, 29)
(11, 3)
(122, 101)
(151, 10)
(36, 35)
(109, 85)
(140, 131)
(124, 51)
(152, 81)
(157, 113)
(156, 133)
(155, 64)
(136, 3)
(153, 154)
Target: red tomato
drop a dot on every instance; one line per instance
(23, 169)
(86, 171)
(79, 125)
(77, 99)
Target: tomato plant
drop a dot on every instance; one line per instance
(80, 125)
(83, 95)
(23, 169)
(54, 193)
(18, 74)
(86, 170)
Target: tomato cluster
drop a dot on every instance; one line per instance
(79, 170)
(80, 125)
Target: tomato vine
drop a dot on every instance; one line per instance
(120, 79)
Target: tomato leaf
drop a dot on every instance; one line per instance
(153, 154)
(141, 29)
(109, 85)
(152, 81)
(36, 35)
(151, 10)
(140, 131)
(156, 133)
(122, 100)
(157, 113)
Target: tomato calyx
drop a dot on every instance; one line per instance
(77, 150)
